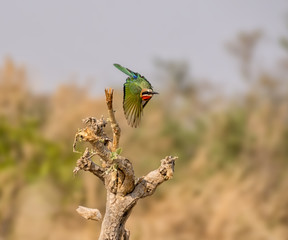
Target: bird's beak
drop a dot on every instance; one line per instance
(155, 93)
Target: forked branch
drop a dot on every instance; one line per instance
(116, 172)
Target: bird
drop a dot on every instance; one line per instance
(137, 92)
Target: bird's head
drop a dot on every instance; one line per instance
(147, 94)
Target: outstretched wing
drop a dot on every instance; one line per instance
(132, 104)
(126, 71)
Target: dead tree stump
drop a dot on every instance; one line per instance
(117, 174)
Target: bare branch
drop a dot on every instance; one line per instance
(85, 163)
(147, 185)
(95, 135)
(89, 213)
(114, 125)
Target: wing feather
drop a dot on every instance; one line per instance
(132, 104)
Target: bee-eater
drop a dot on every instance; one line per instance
(137, 93)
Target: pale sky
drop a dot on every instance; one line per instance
(60, 39)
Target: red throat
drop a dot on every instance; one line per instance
(146, 97)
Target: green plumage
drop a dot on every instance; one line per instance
(133, 103)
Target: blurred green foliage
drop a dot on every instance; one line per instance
(230, 136)
(23, 148)
(184, 142)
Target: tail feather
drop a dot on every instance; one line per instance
(125, 70)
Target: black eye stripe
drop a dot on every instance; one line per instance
(146, 93)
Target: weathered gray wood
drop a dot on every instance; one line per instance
(117, 174)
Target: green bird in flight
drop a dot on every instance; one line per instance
(137, 93)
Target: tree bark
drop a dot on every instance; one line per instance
(116, 173)
(117, 212)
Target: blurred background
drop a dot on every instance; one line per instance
(221, 68)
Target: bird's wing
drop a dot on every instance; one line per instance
(132, 104)
(126, 71)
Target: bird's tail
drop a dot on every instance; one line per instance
(125, 70)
